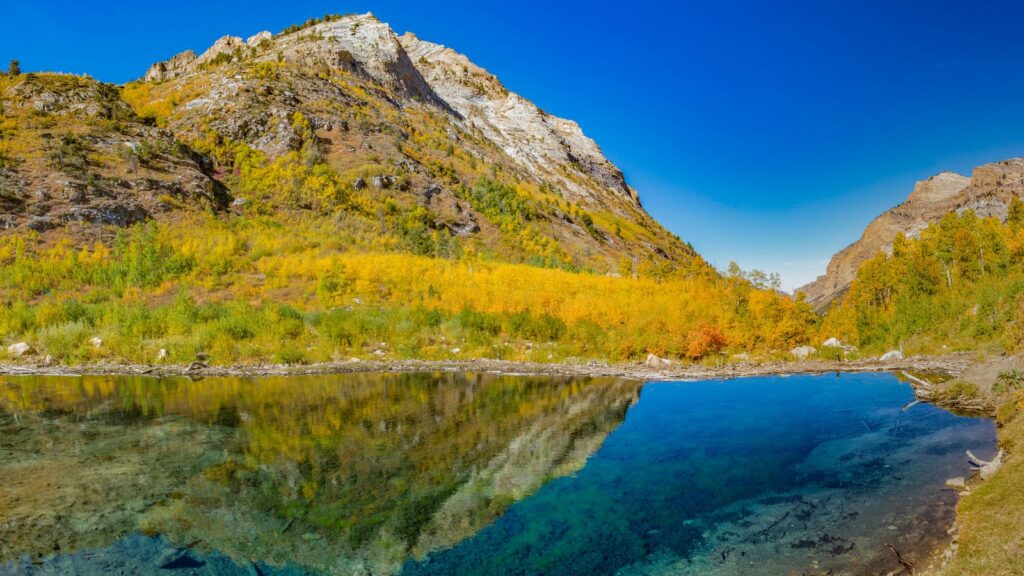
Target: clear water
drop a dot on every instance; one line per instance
(474, 474)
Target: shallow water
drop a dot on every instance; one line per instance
(473, 474)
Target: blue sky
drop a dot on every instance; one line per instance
(769, 133)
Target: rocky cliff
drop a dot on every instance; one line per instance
(987, 192)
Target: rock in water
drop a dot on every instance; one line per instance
(957, 483)
(177, 559)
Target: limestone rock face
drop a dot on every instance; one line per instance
(987, 192)
(260, 37)
(543, 142)
(172, 68)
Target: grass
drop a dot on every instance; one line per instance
(991, 518)
(991, 539)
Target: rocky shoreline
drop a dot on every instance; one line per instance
(952, 365)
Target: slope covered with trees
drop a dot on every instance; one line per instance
(336, 191)
(956, 287)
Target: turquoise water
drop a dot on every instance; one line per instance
(754, 475)
(474, 474)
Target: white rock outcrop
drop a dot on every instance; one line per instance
(258, 38)
(545, 143)
(803, 352)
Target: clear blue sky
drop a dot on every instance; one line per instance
(764, 132)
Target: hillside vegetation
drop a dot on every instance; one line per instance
(256, 289)
(956, 287)
(337, 191)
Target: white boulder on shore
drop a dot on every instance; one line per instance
(654, 361)
(20, 349)
(803, 352)
(837, 343)
(891, 355)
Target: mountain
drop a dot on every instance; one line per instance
(338, 191)
(400, 142)
(987, 192)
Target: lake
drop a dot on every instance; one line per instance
(474, 474)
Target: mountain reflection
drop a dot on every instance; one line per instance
(341, 474)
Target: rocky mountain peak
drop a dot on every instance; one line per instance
(938, 188)
(554, 149)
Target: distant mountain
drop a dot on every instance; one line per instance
(396, 128)
(987, 192)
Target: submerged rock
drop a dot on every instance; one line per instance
(176, 559)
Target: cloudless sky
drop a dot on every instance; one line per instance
(769, 133)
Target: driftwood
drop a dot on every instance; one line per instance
(907, 566)
(929, 392)
(986, 467)
(197, 365)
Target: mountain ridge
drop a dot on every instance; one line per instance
(987, 192)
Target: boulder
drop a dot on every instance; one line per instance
(832, 343)
(957, 483)
(96, 342)
(20, 349)
(359, 183)
(803, 352)
(891, 355)
(653, 361)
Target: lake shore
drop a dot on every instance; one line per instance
(951, 364)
